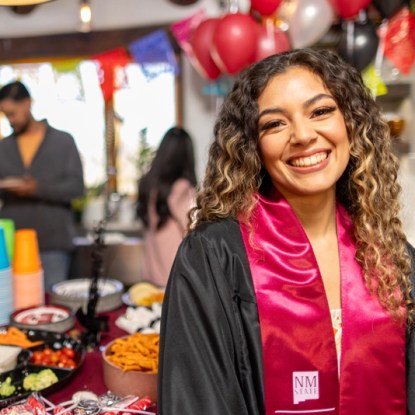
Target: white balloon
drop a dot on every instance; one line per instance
(308, 21)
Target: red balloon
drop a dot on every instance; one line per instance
(201, 40)
(234, 42)
(265, 7)
(349, 8)
(270, 40)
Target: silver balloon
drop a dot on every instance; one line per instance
(308, 20)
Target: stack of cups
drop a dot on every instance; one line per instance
(28, 284)
(6, 284)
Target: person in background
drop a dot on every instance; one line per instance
(292, 291)
(48, 169)
(165, 196)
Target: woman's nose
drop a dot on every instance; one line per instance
(302, 132)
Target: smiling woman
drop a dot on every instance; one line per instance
(296, 249)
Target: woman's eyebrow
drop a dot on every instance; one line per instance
(306, 104)
(273, 110)
(316, 98)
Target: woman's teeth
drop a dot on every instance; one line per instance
(309, 161)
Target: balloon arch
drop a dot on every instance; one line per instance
(228, 43)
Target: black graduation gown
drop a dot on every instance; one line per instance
(210, 346)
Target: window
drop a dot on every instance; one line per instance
(72, 101)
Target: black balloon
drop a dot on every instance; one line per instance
(388, 8)
(363, 45)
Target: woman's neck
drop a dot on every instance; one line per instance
(316, 213)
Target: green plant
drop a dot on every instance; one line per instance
(91, 192)
(145, 154)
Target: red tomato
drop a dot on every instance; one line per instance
(68, 352)
(61, 358)
(47, 351)
(37, 356)
(70, 364)
(54, 358)
(45, 361)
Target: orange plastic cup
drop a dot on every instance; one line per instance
(28, 290)
(26, 258)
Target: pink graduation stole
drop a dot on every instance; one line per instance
(300, 363)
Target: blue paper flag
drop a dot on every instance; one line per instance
(155, 54)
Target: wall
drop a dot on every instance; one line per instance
(406, 108)
(199, 113)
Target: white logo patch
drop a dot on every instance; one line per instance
(305, 386)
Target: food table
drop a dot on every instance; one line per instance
(89, 375)
(95, 375)
(43, 361)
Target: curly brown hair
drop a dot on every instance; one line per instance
(368, 188)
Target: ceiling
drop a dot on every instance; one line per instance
(62, 16)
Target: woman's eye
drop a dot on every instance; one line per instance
(271, 125)
(323, 111)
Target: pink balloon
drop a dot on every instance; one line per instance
(270, 40)
(349, 8)
(201, 40)
(234, 42)
(265, 7)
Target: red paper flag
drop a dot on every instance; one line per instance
(400, 40)
(108, 62)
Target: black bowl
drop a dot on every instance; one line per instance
(24, 367)
(23, 358)
(56, 341)
(17, 376)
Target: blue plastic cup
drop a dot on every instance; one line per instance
(8, 226)
(4, 256)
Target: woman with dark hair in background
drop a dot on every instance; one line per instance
(165, 196)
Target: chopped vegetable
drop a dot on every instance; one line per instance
(16, 337)
(61, 358)
(41, 380)
(6, 388)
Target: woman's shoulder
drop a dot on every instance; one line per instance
(181, 188)
(181, 199)
(222, 243)
(182, 185)
(216, 228)
(223, 232)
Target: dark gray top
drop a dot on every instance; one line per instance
(58, 170)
